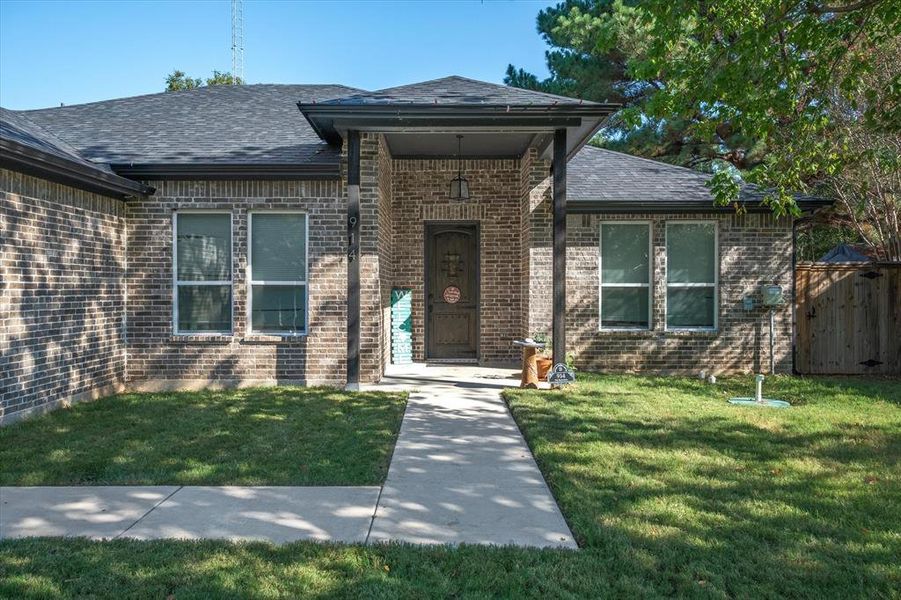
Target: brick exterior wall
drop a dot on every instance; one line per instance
(420, 194)
(158, 359)
(376, 242)
(754, 249)
(78, 267)
(535, 255)
(62, 269)
(386, 244)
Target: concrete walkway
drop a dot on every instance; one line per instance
(277, 514)
(461, 473)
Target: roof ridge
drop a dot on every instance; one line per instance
(394, 87)
(197, 90)
(652, 161)
(253, 124)
(504, 85)
(481, 82)
(752, 187)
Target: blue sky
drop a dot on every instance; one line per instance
(73, 52)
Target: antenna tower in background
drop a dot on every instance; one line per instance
(237, 41)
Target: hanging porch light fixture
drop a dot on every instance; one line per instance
(459, 187)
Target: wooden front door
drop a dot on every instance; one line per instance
(452, 290)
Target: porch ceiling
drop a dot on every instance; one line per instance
(474, 145)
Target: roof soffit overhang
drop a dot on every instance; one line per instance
(664, 206)
(230, 171)
(582, 121)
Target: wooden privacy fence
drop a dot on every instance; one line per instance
(848, 318)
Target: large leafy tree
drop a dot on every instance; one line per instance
(794, 95)
(594, 44)
(783, 71)
(865, 157)
(178, 80)
(223, 78)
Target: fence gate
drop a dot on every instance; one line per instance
(848, 318)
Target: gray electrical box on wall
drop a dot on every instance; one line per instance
(772, 295)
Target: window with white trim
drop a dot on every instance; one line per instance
(692, 274)
(625, 275)
(277, 273)
(202, 299)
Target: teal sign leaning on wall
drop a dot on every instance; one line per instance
(401, 326)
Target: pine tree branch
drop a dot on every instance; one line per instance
(821, 10)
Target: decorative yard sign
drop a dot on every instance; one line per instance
(561, 375)
(401, 326)
(451, 294)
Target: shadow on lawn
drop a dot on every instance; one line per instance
(778, 507)
(798, 390)
(127, 569)
(276, 436)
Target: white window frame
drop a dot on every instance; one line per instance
(252, 282)
(716, 276)
(649, 285)
(176, 282)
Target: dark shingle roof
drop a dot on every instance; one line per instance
(453, 90)
(596, 174)
(29, 148)
(256, 124)
(16, 127)
(615, 181)
(249, 125)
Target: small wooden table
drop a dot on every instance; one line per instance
(530, 350)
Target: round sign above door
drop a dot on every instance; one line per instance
(451, 294)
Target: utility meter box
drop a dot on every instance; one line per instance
(772, 295)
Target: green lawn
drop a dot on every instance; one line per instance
(687, 494)
(259, 436)
(123, 569)
(669, 490)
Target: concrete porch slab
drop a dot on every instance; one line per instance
(275, 514)
(94, 512)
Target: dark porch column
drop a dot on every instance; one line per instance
(353, 259)
(559, 271)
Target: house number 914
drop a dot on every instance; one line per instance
(351, 239)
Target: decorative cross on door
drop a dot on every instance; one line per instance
(453, 266)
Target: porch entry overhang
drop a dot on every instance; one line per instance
(556, 131)
(497, 130)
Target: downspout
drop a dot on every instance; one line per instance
(125, 349)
